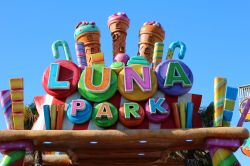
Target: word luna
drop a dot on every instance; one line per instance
(98, 83)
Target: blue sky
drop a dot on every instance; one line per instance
(216, 34)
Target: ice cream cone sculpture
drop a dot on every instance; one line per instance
(150, 33)
(17, 97)
(89, 34)
(118, 24)
(219, 96)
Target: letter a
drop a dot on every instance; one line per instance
(104, 111)
(176, 74)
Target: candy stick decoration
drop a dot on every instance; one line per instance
(176, 115)
(53, 113)
(60, 116)
(244, 113)
(80, 54)
(183, 114)
(223, 143)
(55, 50)
(13, 158)
(157, 54)
(97, 58)
(17, 97)
(229, 103)
(173, 46)
(46, 111)
(219, 96)
(16, 145)
(189, 120)
(223, 157)
(6, 103)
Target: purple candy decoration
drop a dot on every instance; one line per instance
(177, 89)
(16, 145)
(121, 57)
(158, 117)
(227, 143)
(81, 56)
(7, 109)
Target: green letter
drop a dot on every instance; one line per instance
(176, 74)
(131, 108)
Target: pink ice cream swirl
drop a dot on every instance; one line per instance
(118, 16)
